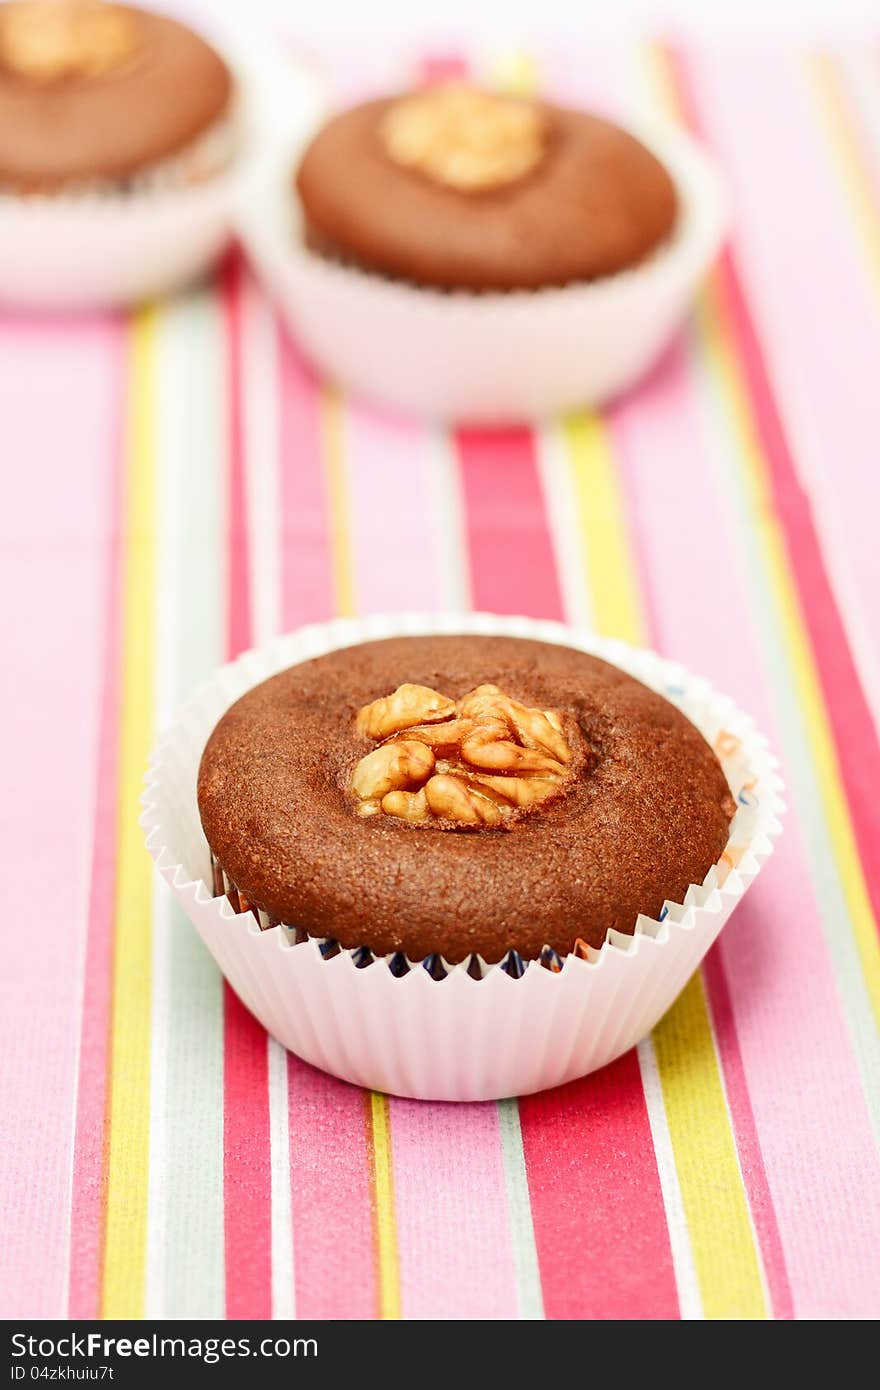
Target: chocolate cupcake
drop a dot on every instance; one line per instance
(122, 138)
(458, 867)
(106, 98)
(464, 189)
(460, 797)
(459, 254)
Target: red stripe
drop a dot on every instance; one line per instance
(246, 1141)
(597, 1208)
(307, 588)
(442, 67)
(854, 733)
(513, 567)
(89, 1176)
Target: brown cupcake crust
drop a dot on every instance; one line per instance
(596, 203)
(83, 129)
(649, 812)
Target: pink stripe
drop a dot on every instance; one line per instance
(820, 332)
(330, 1166)
(453, 1228)
(61, 446)
(597, 1207)
(246, 1141)
(797, 1061)
(306, 561)
(333, 1246)
(88, 1187)
(855, 734)
(394, 537)
(513, 568)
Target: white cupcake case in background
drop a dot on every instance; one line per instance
(458, 1038)
(493, 358)
(86, 252)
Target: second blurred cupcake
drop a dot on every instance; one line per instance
(462, 254)
(466, 189)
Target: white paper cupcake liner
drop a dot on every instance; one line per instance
(517, 1027)
(98, 249)
(491, 358)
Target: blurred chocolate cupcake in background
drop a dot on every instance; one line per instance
(106, 98)
(464, 189)
(475, 256)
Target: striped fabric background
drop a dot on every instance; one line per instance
(177, 486)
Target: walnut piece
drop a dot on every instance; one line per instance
(47, 40)
(410, 704)
(471, 763)
(464, 138)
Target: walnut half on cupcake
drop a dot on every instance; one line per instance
(458, 188)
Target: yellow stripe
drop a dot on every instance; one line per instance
(515, 71)
(715, 1205)
(128, 1158)
(386, 1230)
(333, 441)
(799, 656)
(824, 82)
(614, 595)
(716, 1208)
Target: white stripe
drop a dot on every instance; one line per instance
(283, 1290)
(559, 500)
(447, 506)
(261, 426)
(170, 344)
(689, 1300)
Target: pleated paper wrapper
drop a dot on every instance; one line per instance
(470, 1031)
(493, 358)
(96, 249)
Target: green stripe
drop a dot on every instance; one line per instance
(525, 1255)
(193, 422)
